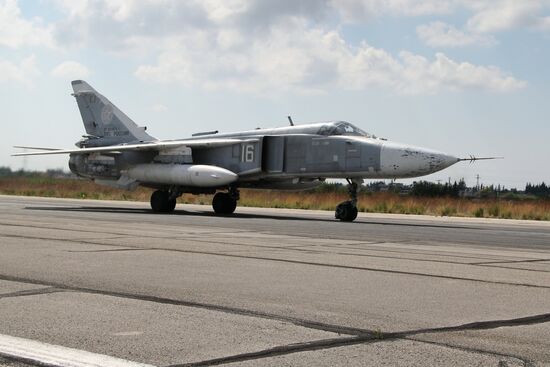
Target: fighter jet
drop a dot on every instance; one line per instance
(118, 153)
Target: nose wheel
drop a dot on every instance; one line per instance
(347, 210)
(225, 202)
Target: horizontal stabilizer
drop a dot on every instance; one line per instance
(35, 148)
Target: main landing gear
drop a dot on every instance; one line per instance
(347, 210)
(225, 202)
(163, 201)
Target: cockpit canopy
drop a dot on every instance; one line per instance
(341, 128)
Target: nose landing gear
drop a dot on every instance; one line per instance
(347, 211)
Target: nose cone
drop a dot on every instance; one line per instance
(398, 160)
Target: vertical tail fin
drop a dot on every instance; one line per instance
(103, 121)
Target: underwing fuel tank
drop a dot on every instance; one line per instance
(182, 174)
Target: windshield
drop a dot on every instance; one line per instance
(342, 128)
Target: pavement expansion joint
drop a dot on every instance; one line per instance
(111, 250)
(380, 256)
(484, 325)
(355, 335)
(511, 262)
(70, 230)
(282, 350)
(526, 362)
(199, 239)
(513, 268)
(377, 337)
(401, 250)
(32, 292)
(338, 329)
(312, 263)
(69, 240)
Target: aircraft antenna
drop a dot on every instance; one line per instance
(473, 159)
(290, 120)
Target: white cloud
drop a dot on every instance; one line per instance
(123, 25)
(439, 34)
(159, 107)
(414, 74)
(301, 59)
(487, 17)
(15, 31)
(263, 46)
(289, 56)
(70, 70)
(360, 10)
(120, 25)
(23, 72)
(446, 74)
(543, 23)
(503, 15)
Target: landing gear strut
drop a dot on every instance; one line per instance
(347, 210)
(163, 201)
(225, 202)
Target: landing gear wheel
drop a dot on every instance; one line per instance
(171, 205)
(346, 211)
(224, 203)
(161, 202)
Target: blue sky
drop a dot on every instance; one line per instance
(461, 76)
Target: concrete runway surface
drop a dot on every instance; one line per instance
(269, 287)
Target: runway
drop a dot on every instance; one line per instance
(272, 287)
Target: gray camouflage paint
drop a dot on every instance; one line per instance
(291, 157)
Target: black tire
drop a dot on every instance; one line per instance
(351, 214)
(161, 203)
(346, 212)
(170, 205)
(223, 203)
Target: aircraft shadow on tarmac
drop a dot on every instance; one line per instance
(95, 209)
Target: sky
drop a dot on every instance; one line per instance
(460, 76)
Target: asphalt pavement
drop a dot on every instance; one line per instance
(269, 287)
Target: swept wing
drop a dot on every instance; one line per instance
(156, 145)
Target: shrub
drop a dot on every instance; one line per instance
(447, 211)
(479, 213)
(494, 210)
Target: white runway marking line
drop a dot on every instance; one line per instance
(56, 355)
